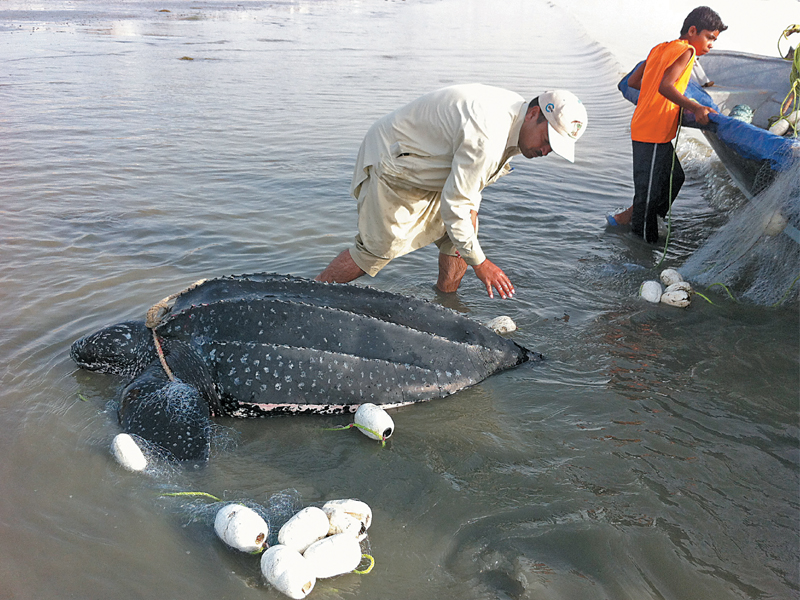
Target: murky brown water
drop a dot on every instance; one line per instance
(653, 455)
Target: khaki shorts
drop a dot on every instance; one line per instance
(394, 219)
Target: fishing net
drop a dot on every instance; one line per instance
(757, 253)
(275, 510)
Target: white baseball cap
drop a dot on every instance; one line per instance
(566, 121)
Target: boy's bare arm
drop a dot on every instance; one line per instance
(635, 80)
(667, 89)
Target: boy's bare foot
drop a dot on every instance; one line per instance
(622, 217)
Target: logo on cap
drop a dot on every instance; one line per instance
(550, 107)
(576, 127)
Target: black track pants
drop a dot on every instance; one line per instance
(652, 165)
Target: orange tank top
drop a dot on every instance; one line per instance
(655, 119)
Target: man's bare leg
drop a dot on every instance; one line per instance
(341, 270)
(451, 272)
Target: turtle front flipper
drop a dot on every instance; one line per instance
(173, 414)
(169, 414)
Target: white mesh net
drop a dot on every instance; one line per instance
(757, 253)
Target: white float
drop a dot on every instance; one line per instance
(679, 298)
(341, 522)
(651, 291)
(775, 223)
(288, 571)
(670, 276)
(241, 528)
(681, 285)
(304, 528)
(502, 324)
(128, 453)
(355, 508)
(782, 125)
(374, 422)
(334, 555)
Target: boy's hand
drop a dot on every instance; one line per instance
(701, 114)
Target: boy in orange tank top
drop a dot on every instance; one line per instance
(661, 81)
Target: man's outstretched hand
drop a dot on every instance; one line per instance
(492, 276)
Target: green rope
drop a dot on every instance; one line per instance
(732, 297)
(786, 293)
(725, 287)
(200, 494)
(788, 107)
(669, 198)
(703, 297)
(367, 569)
(361, 427)
(707, 299)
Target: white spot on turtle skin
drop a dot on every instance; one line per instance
(278, 386)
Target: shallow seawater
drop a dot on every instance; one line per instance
(146, 145)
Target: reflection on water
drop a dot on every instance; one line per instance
(614, 469)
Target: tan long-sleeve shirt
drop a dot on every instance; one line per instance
(455, 141)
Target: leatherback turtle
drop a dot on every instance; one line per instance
(260, 344)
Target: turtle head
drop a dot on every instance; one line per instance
(122, 349)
